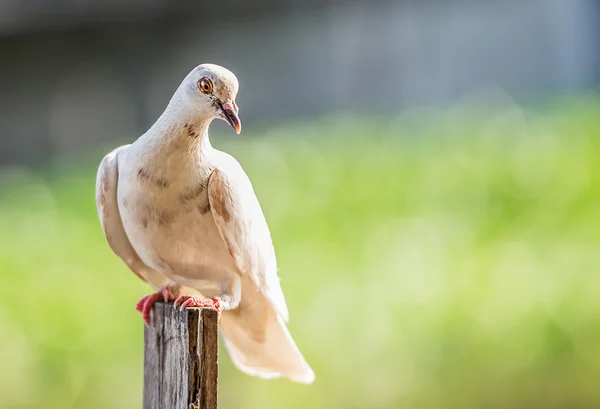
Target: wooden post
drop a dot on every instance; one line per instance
(180, 358)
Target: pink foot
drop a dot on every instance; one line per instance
(186, 301)
(145, 304)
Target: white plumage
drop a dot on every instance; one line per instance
(184, 216)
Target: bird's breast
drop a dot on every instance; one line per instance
(171, 227)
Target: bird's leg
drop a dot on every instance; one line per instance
(145, 304)
(228, 299)
(188, 301)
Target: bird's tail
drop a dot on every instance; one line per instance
(259, 342)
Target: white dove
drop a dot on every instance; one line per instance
(184, 218)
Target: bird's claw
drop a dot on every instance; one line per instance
(186, 301)
(144, 306)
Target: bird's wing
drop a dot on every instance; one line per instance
(241, 222)
(110, 219)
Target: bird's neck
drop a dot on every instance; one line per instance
(180, 133)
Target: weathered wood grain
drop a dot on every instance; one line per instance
(180, 358)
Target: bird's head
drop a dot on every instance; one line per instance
(210, 90)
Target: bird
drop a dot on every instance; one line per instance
(184, 217)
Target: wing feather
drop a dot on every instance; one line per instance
(243, 227)
(110, 219)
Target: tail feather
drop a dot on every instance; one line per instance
(259, 342)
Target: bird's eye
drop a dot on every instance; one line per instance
(205, 85)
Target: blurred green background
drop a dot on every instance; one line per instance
(446, 258)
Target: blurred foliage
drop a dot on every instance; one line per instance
(442, 259)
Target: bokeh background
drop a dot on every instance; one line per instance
(430, 171)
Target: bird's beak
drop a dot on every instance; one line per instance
(230, 113)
